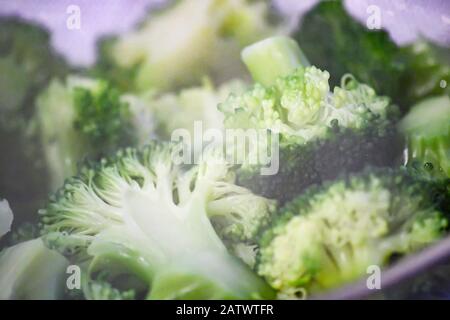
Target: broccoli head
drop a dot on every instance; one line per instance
(147, 214)
(427, 131)
(329, 235)
(321, 132)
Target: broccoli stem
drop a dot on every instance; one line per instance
(177, 254)
(273, 57)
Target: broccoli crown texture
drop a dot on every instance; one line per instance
(322, 132)
(147, 213)
(331, 234)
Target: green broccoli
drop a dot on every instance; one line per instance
(336, 42)
(427, 131)
(329, 235)
(147, 213)
(205, 39)
(321, 133)
(81, 118)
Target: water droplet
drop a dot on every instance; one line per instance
(428, 166)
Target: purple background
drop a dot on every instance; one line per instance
(406, 20)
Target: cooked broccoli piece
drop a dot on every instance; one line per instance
(329, 235)
(334, 41)
(321, 133)
(148, 213)
(181, 109)
(29, 270)
(427, 131)
(81, 118)
(205, 39)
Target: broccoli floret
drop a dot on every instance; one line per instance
(427, 131)
(329, 235)
(81, 118)
(147, 212)
(321, 133)
(334, 41)
(29, 270)
(205, 39)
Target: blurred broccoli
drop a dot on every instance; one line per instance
(329, 235)
(29, 270)
(205, 39)
(427, 131)
(27, 62)
(334, 41)
(322, 132)
(181, 109)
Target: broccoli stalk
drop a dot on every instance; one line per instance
(331, 234)
(143, 213)
(322, 132)
(272, 58)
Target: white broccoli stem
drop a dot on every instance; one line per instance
(273, 57)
